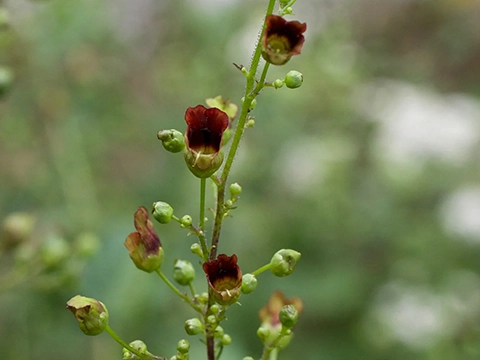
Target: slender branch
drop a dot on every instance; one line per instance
(178, 292)
(201, 234)
(262, 269)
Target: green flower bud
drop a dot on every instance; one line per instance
(183, 346)
(294, 79)
(212, 319)
(6, 80)
(183, 272)
(284, 261)
(215, 308)
(186, 221)
(17, 228)
(277, 84)
(138, 345)
(250, 123)
(229, 204)
(91, 314)
(263, 333)
(193, 326)
(202, 298)
(218, 333)
(87, 244)
(162, 212)
(54, 251)
(196, 249)
(288, 316)
(172, 140)
(249, 283)
(226, 339)
(253, 105)
(235, 190)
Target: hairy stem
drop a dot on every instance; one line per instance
(202, 219)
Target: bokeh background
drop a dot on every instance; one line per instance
(371, 170)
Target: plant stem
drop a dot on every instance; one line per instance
(115, 337)
(250, 93)
(201, 235)
(262, 269)
(178, 292)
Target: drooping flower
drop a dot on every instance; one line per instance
(224, 278)
(91, 314)
(144, 245)
(282, 39)
(203, 139)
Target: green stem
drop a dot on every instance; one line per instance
(250, 93)
(178, 292)
(201, 235)
(115, 337)
(262, 269)
(274, 354)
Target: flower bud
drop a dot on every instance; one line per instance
(183, 346)
(55, 250)
(226, 339)
(284, 261)
(162, 212)
(250, 123)
(235, 190)
(212, 319)
(193, 326)
(196, 249)
(6, 80)
(218, 333)
(263, 333)
(288, 316)
(91, 314)
(183, 272)
(249, 283)
(186, 221)
(17, 227)
(293, 79)
(172, 140)
(277, 84)
(138, 345)
(202, 298)
(87, 244)
(215, 308)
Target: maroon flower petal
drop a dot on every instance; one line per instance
(145, 230)
(205, 129)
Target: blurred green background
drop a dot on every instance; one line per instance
(371, 170)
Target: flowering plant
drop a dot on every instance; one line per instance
(207, 134)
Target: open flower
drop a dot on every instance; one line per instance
(203, 139)
(269, 315)
(224, 278)
(144, 245)
(282, 39)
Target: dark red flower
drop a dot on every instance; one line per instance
(203, 139)
(144, 245)
(224, 278)
(282, 39)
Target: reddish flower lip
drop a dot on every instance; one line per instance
(205, 129)
(224, 278)
(282, 39)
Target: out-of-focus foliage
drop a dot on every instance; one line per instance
(370, 170)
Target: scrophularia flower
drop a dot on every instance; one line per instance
(203, 139)
(282, 39)
(91, 314)
(224, 278)
(269, 315)
(144, 245)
